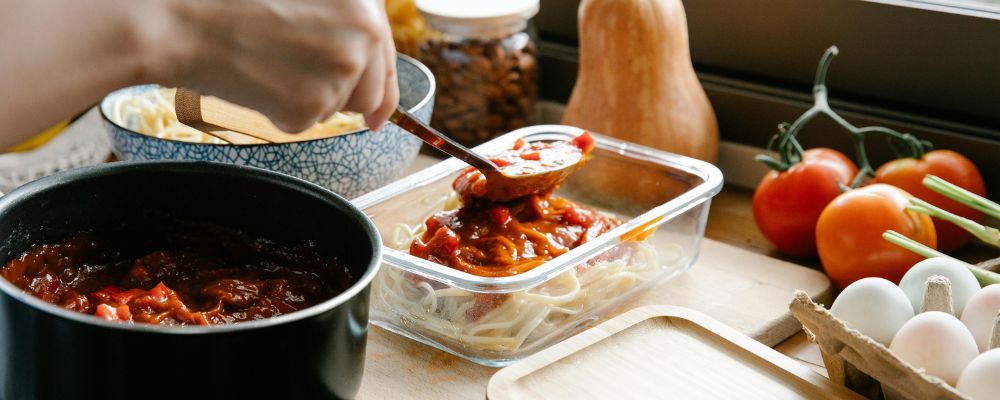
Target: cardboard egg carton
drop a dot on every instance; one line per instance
(868, 367)
(862, 364)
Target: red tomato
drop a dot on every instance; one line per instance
(111, 313)
(499, 214)
(585, 142)
(908, 173)
(577, 216)
(787, 204)
(849, 234)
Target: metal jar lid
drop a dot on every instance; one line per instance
(478, 18)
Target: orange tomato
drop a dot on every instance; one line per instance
(786, 205)
(849, 234)
(908, 173)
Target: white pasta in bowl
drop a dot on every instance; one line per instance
(141, 124)
(152, 113)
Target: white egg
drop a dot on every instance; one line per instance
(875, 307)
(936, 342)
(979, 313)
(963, 283)
(979, 380)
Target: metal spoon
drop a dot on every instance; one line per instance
(499, 186)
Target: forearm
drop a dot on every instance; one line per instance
(61, 56)
(297, 61)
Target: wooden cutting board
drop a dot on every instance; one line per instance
(661, 352)
(747, 291)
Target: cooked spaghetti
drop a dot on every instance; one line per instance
(152, 113)
(492, 239)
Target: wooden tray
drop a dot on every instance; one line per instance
(660, 352)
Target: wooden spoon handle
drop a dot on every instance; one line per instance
(226, 120)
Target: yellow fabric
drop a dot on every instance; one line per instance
(40, 139)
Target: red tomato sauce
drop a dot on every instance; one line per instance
(495, 239)
(195, 274)
(526, 159)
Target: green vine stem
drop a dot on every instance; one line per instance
(984, 277)
(963, 196)
(985, 233)
(790, 151)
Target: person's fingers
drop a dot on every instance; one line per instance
(299, 61)
(293, 105)
(390, 99)
(370, 89)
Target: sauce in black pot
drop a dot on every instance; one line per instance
(177, 274)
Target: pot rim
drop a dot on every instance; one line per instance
(24, 192)
(431, 90)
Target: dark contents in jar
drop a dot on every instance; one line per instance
(485, 87)
(177, 274)
(493, 239)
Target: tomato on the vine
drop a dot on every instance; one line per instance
(908, 173)
(849, 234)
(786, 205)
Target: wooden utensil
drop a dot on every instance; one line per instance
(499, 186)
(661, 352)
(235, 124)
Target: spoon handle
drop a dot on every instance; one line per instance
(439, 141)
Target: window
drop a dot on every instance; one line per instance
(930, 67)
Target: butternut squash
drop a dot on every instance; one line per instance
(636, 81)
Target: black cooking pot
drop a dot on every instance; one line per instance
(52, 353)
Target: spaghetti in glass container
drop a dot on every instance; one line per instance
(496, 299)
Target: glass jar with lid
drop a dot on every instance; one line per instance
(484, 61)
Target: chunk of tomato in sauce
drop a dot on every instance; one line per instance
(500, 162)
(585, 142)
(531, 156)
(441, 245)
(470, 183)
(115, 295)
(127, 296)
(577, 216)
(112, 313)
(75, 302)
(103, 295)
(500, 215)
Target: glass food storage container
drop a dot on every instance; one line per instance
(662, 199)
(484, 61)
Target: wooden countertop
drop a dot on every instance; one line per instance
(731, 221)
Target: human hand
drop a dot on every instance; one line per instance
(296, 61)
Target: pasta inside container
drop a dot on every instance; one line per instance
(662, 199)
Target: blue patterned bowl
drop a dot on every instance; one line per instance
(350, 164)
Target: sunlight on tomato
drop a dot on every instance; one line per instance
(849, 234)
(908, 173)
(786, 205)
